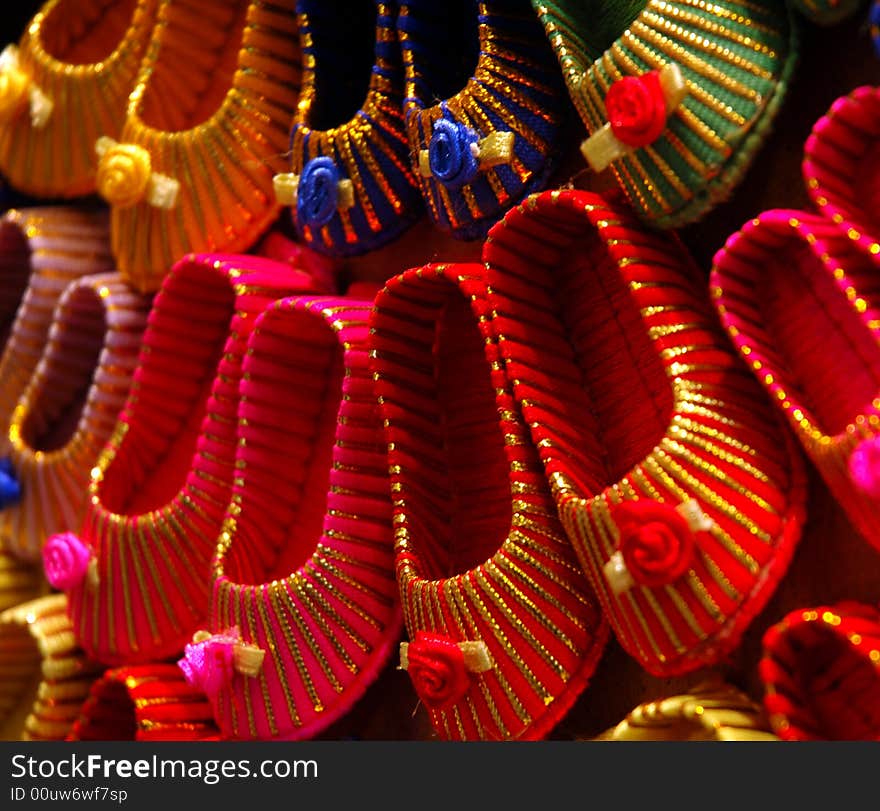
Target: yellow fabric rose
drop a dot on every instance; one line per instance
(123, 174)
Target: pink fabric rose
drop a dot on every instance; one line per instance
(65, 560)
(209, 660)
(656, 541)
(437, 668)
(636, 109)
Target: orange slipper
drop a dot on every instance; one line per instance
(65, 84)
(206, 130)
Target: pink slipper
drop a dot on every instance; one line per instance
(842, 166)
(137, 573)
(802, 305)
(305, 610)
(504, 631)
(69, 408)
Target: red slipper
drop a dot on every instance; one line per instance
(305, 609)
(821, 673)
(504, 631)
(138, 573)
(676, 480)
(802, 305)
(144, 703)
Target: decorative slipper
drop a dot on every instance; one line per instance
(504, 632)
(484, 108)
(206, 129)
(674, 476)
(144, 703)
(42, 250)
(711, 711)
(801, 304)
(680, 102)
(841, 165)
(138, 572)
(305, 608)
(64, 84)
(821, 673)
(37, 644)
(69, 409)
(350, 184)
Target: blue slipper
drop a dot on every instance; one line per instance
(350, 187)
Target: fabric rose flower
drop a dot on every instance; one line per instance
(65, 560)
(451, 156)
(655, 541)
(636, 109)
(209, 660)
(14, 86)
(864, 466)
(437, 668)
(123, 174)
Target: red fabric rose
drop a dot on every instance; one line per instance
(437, 669)
(656, 542)
(636, 109)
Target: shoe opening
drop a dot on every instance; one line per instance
(292, 396)
(588, 372)
(83, 32)
(454, 473)
(442, 43)
(64, 378)
(342, 48)
(188, 328)
(198, 47)
(817, 346)
(15, 271)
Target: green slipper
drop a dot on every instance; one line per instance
(702, 83)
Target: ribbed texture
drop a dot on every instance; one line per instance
(632, 392)
(480, 553)
(84, 55)
(820, 668)
(310, 512)
(162, 483)
(515, 87)
(144, 703)
(736, 57)
(802, 306)
(224, 158)
(37, 643)
(841, 165)
(370, 148)
(711, 711)
(70, 407)
(19, 581)
(51, 247)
